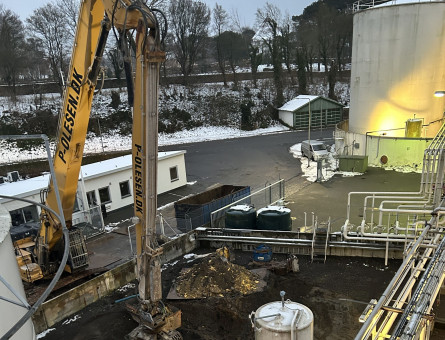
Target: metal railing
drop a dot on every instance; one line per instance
(270, 194)
(415, 219)
(365, 4)
(91, 222)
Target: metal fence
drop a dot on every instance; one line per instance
(365, 4)
(270, 194)
(92, 222)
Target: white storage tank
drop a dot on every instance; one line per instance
(284, 320)
(398, 54)
(9, 271)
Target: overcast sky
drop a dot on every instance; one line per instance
(246, 8)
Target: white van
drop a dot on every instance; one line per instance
(314, 149)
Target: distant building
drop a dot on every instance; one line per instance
(106, 184)
(323, 112)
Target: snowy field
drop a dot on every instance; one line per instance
(10, 153)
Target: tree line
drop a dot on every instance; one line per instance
(198, 39)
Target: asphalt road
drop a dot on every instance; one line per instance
(249, 161)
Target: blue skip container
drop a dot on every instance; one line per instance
(262, 253)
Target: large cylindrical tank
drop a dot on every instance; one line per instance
(11, 313)
(398, 54)
(241, 216)
(274, 218)
(292, 319)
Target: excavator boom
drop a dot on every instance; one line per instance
(96, 18)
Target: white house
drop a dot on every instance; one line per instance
(107, 183)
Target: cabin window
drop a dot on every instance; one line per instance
(174, 173)
(24, 215)
(125, 189)
(76, 207)
(104, 195)
(91, 196)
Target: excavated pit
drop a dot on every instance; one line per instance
(335, 291)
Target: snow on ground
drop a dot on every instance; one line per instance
(68, 321)
(404, 168)
(192, 257)
(126, 287)
(330, 165)
(10, 153)
(44, 333)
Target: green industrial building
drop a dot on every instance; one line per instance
(324, 112)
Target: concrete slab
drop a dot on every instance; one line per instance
(330, 199)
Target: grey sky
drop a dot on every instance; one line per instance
(246, 8)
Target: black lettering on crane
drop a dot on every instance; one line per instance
(69, 116)
(138, 186)
(72, 101)
(78, 77)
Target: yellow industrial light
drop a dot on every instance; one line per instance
(439, 93)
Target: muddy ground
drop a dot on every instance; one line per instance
(332, 291)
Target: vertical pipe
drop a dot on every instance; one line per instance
(367, 325)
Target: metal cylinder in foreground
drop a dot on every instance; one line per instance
(284, 321)
(11, 312)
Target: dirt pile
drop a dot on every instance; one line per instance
(216, 277)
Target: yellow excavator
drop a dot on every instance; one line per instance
(96, 19)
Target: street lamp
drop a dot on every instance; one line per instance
(439, 94)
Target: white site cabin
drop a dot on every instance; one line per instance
(106, 184)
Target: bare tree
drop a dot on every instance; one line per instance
(307, 43)
(343, 37)
(219, 25)
(234, 50)
(287, 44)
(69, 9)
(12, 48)
(325, 27)
(269, 18)
(50, 28)
(189, 22)
(37, 66)
(256, 58)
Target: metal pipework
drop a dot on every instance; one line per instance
(397, 210)
(369, 324)
(384, 237)
(404, 269)
(424, 295)
(406, 291)
(377, 193)
(385, 197)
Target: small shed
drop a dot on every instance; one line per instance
(324, 112)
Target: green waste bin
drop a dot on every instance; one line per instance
(353, 163)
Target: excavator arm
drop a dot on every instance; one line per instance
(96, 18)
(90, 39)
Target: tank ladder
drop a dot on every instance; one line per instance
(320, 239)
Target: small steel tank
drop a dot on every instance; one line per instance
(283, 320)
